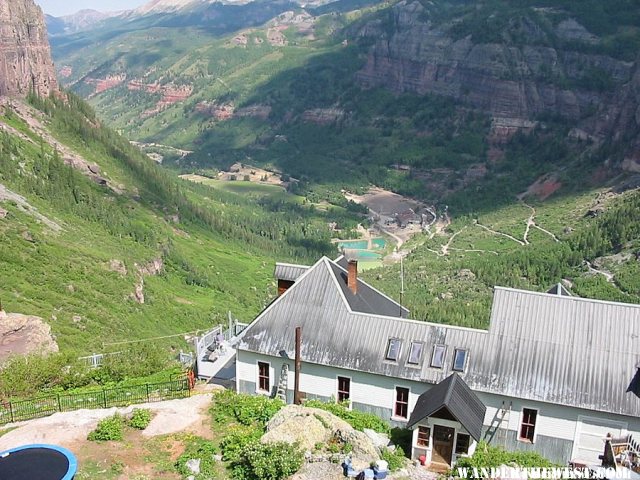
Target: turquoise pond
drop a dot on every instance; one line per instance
(376, 244)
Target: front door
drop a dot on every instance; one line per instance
(442, 444)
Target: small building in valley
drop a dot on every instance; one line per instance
(553, 373)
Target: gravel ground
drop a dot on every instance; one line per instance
(68, 428)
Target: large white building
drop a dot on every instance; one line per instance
(553, 373)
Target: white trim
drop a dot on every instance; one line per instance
(535, 425)
(394, 417)
(350, 389)
(258, 390)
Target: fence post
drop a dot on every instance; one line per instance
(59, 405)
(11, 412)
(104, 398)
(148, 397)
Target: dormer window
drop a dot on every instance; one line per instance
(459, 360)
(437, 358)
(393, 349)
(415, 354)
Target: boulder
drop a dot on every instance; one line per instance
(311, 426)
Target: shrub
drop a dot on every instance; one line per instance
(110, 428)
(486, 456)
(246, 409)
(140, 418)
(271, 461)
(395, 458)
(202, 449)
(358, 420)
(236, 440)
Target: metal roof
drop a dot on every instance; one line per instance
(456, 396)
(288, 271)
(551, 348)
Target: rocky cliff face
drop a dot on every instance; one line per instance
(25, 56)
(511, 81)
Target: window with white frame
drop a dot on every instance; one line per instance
(528, 425)
(415, 353)
(437, 358)
(393, 349)
(344, 389)
(263, 377)
(401, 407)
(462, 444)
(423, 436)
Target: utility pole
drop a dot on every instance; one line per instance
(296, 389)
(401, 283)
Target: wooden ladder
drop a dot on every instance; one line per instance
(282, 384)
(506, 415)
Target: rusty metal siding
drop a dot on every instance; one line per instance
(565, 350)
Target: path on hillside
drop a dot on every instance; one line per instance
(510, 237)
(532, 223)
(608, 275)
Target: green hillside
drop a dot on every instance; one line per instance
(72, 248)
(286, 91)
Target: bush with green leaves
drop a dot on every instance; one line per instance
(395, 458)
(140, 418)
(358, 420)
(198, 448)
(237, 439)
(268, 461)
(110, 428)
(487, 456)
(246, 409)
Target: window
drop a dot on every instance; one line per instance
(401, 409)
(528, 425)
(462, 444)
(423, 436)
(263, 377)
(415, 354)
(437, 359)
(344, 389)
(459, 360)
(393, 349)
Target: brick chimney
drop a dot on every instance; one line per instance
(352, 276)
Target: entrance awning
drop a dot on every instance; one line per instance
(455, 395)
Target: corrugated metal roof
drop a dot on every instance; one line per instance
(288, 271)
(551, 348)
(454, 394)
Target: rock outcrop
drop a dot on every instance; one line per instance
(25, 55)
(512, 81)
(310, 427)
(24, 334)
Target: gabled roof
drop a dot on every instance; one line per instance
(559, 289)
(288, 271)
(368, 299)
(549, 348)
(456, 396)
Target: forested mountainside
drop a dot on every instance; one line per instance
(490, 95)
(519, 119)
(102, 243)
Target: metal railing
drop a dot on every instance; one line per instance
(16, 411)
